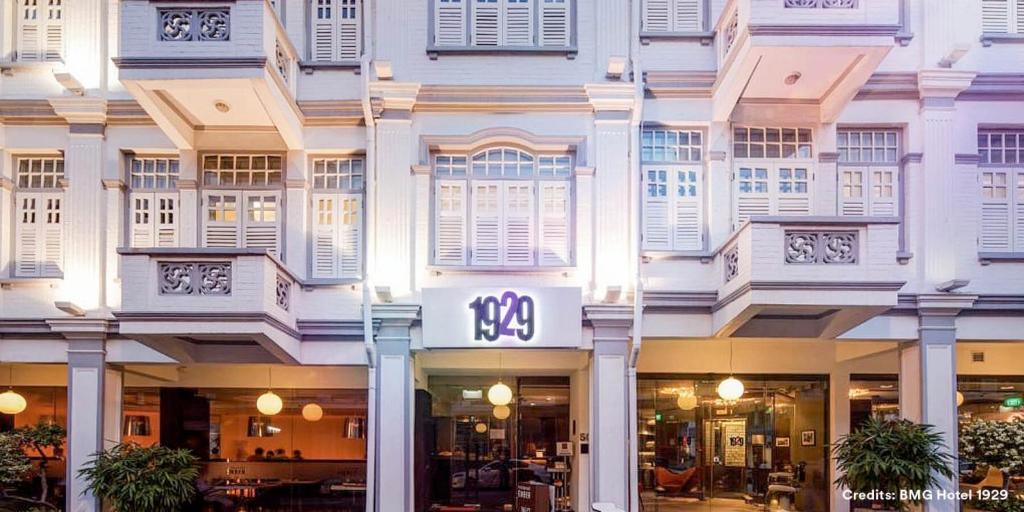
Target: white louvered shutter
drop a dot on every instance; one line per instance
(450, 223)
(519, 247)
(656, 210)
(349, 35)
(1018, 222)
(657, 15)
(995, 16)
(31, 26)
(350, 234)
(54, 43)
(325, 231)
(555, 23)
(262, 221)
(754, 200)
(686, 16)
(884, 195)
(555, 224)
(853, 191)
(687, 232)
(325, 14)
(486, 202)
(223, 220)
(486, 23)
(450, 22)
(995, 229)
(518, 29)
(52, 233)
(39, 235)
(792, 202)
(143, 233)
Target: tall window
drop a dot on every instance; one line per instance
(153, 201)
(1001, 179)
(773, 172)
(242, 201)
(673, 189)
(1002, 16)
(868, 172)
(337, 217)
(503, 207)
(40, 30)
(39, 217)
(672, 15)
(502, 23)
(336, 34)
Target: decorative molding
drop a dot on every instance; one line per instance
(966, 159)
(332, 112)
(611, 96)
(397, 96)
(912, 158)
(474, 98)
(189, 62)
(679, 301)
(889, 86)
(704, 38)
(491, 136)
(186, 184)
(825, 30)
(208, 318)
(421, 170)
(608, 315)
(584, 170)
(114, 184)
(28, 112)
(831, 286)
(828, 157)
(943, 83)
(679, 84)
(87, 129)
(570, 52)
(987, 258)
(988, 38)
(80, 109)
(299, 183)
(822, 220)
(717, 156)
(995, 87)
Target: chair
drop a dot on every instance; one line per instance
(994, 479)
(671, 481)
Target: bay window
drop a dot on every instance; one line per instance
(1001, 180)
(773, 172)
(336, 34)
(241, 201)
(337, 217)
(673, 190)
(40, 30)
(39, 217)
(503, 207)
(868, 172)
(502, 23)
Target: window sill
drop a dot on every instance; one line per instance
(309, 67)
(903, 257)
(568, 51)
(655, 255)
(438, 270)
(705, 38)
(9, 68)
(990, 37)
(26, 282)
(312, 284)
(987, 258)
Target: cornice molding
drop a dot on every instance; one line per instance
(611, 96)
(399, 96)
(680, 84)
(80, 109)
(332, 112)
(474, 98)
(943, 83)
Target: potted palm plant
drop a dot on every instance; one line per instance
(129, 477)
(884, 457)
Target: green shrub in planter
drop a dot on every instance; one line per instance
(888, 456)
(999, 444)
(131, 478)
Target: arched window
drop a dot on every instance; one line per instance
(503, 206)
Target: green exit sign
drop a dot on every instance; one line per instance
(1013, 401)
(657, 416)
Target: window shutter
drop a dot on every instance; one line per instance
(486, 23)
(518, 215)
(656, 210)
(687, 16)
(221, 231)
(26, 235)
(350, 230)
(555, 24)
(793, 203)
(450, 22)
(348, 30)
(656, 16)
(166, 216)
(995, 16)
(749, 204)
(52, 226)
(1018, 223)
(486, 227)
(555, 249)
(324, 40)
(450, 223)
(853, 190)
(142, 232)
(325, 245)
(994, 234)
(30, 19)
(262, 221)
(687, 233)
(884, 191)
(54, 31)
(518, 23)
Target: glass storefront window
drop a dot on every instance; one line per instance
(310, 456)
(993, 399)
(45, 405)
(768, 448)
(873, 396)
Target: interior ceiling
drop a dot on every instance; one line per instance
(196, 102)
(819, 68)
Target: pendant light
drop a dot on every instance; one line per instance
(312, 412)
(730, 389)
(687, 399)
(959, 399)
(269, 403)
(480, 428)
(502, 412)
(10, 401)
(499, 394)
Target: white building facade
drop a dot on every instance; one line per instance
(383, 207)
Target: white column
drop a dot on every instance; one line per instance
(6, 217)
(928, 377)
(827, 173)
(188, 196)
(609, 403)
(296, 220)
(85, 28)
(719, 184)
(392, 436)
(114, 200)
(421, 242)
(839, 425)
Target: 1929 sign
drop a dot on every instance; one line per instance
(508, 315)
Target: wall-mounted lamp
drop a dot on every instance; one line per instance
(612, 294)
(384, 294)
(383, 69)
(69, 82)
(69, 307)
(952, 285)
(616, 66)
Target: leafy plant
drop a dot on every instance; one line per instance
(130, 477)
(43, 437)
(15, 467)
(889, 456)
(999, 444)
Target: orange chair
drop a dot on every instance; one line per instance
(669, 481)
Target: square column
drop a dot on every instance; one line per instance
(391, 431)
(188, 198)
(296, 254)
(839, 425)
(610, 405)
(928, 377)
(719, 183)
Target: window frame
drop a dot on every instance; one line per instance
(172, 189)
(434, 49)
(42, 24)
(773, 165)
(693, 164)
(336, 193)
(1014, 186)
(870, 166)
(60, 185)
(203, 188)
(468, 179)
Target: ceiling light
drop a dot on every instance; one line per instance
(499, 394)
(312, 412)
(686, 400)
(221, 106)
(480, 428)
(793, 77)
(730, 389)
(959, 399)
(501, 412)
(269, 403)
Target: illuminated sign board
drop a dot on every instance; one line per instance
(1013, 401)
(502, 317)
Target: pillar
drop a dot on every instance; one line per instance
(609, 404)
(296, 183)
(826, 176)
(718, 183)
(839, 425)
(114, 201)
(928, 377)
(188, 198)
(392, 429)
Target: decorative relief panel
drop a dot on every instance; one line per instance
(189, 278)
(732, 263)
(283, 63)
(284, 292)
(823, 4)
(821, 247)
(195, 24)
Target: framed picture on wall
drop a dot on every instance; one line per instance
(782, 442)
(807, 438)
